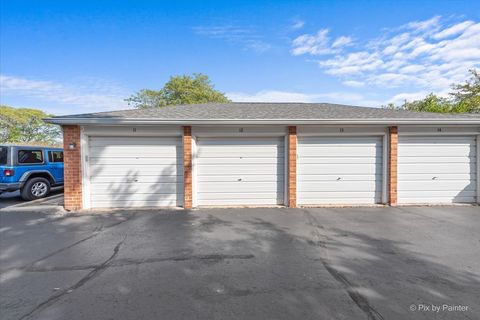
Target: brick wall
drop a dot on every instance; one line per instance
(392, 165)
(187, 167)
(73, 168)
(292, 166)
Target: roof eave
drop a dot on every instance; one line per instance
(142, 121)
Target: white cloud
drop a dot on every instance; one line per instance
(429, 25)
(316, 44)
(319, 44)
(353, 83)
(247, 37)
(409, 96)
(297, 24)
(94, 93)
(353, 63)
(392, 80)
(426, 55)
(290, 96)
(453, 30)
(272, 96)
(341, 42)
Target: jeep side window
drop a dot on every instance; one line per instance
(30, 156)
(3, 155)
(55, 156)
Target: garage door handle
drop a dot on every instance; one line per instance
(239, 179)
(339, 178)
(434, 178)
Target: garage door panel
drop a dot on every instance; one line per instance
(136, 202)
(244, 201)
(245, 178)
(438, 200)
(236, 169)
(444, 176)
(439, 159)
(240, 171)
(348, 141)
(245, 152)
(340, 198)
(437, 140)
(437, 185)
(344, 177)
(135, 142)
(225, 196)
(338, 169)
(342, 160)
(420, 195)
(437, 169)
(345, 186)
(433, 168)
(131, 151)
(137, 187)
(240, 142)
(241, 161)
(240, 186)
(335, 170)
(140, 160)
(139, 178)
(439, 151)
(135, 171)
(339, 152)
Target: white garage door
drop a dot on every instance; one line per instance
(240, 171)
(133, 172)
(437, 169)
(339, 170)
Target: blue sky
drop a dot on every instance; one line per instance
(87, 56)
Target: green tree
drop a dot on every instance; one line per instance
(430, 103)
(25, 125)
(179, 90)
(465, 98)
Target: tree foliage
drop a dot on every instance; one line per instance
(464, 98)
(25, 125)
(179, 90)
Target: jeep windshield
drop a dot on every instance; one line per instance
(3, 155)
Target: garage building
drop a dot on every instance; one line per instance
(268, 154)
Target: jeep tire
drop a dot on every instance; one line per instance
(35, 188)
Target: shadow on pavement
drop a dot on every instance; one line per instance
(10, 199)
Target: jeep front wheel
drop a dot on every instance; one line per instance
(35, 188)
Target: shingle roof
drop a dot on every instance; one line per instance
(263, 111)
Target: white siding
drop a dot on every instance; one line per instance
(135, 171)
(240, 171)
(437, 169)
(339, 170)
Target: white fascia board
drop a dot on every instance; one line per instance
(146, 121)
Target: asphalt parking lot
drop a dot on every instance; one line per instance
(350, 263)
(13, 199)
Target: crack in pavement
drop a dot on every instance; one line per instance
(128, 262)
(95, 233)
(91, 275)
(360, 300)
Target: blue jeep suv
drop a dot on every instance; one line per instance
(32, 170)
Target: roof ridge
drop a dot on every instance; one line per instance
(265, 111)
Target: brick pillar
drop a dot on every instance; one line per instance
(72, 168)
(392, 165)
(187, 167)
(292, 166)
